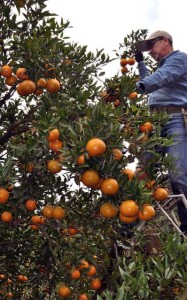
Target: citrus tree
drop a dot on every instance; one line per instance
(68, 147)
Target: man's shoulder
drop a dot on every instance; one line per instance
(178, 53)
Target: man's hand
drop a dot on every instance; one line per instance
(139, 56)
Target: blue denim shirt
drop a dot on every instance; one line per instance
(167, 86)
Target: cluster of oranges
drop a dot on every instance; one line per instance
(83, 269)
(111, 94)
(48, 212)
(124, 62)
(55, 144)
(129, 210)
(6, 216)
(26, 86)
(7, 281)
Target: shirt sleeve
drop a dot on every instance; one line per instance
(171, 70)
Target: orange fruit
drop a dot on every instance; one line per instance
(109, 186)
(26, 87)
(9, 295)
(127, 219)
(34, 221)
(64, 291)
(25, 278)
(129, 208)
(103, 94)
(96, 284)
(150, 183)
(47, 211)
(53, 135)
(146, 213)
(95, 147)
(146, 127)
(116, 103)
(58, 213)
(75, 274)
(82, 297)
(108, 210)
(81, 159)
(133, 96)
(90, 178)
(124, 70)
(31, 204)
(4, 195)
(131, 61)
(160, 194)
(53, 86)
(20, 277)
(117, 154)
(123, 62)
(128, 172)
(2, 276)
(53, 166)
(11, 80)
(6, 71)
(56, 145)
(92, 271)
(6, 216)
(30, 167)
(41, 83)
(21, 74)
(83, 264)
(72, 231)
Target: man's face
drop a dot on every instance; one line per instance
(157, 48)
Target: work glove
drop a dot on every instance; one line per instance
(138, 56)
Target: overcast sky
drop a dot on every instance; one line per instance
(104, 24)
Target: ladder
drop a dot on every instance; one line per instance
(170, 204)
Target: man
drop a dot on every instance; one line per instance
(167, 89)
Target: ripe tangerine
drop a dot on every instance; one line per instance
(146, 127)
(58, 213)
(117, 154)
(129, 208)
(6, 71)
(128, 172)
(96, 284)
(108, 210)
(26, 87)
(75, 274)
(53, 86)
(64, 291)
(90, 178)
(56, 145)
(4, 195)
(31, 204)
(21, 74)
(6, 216)
(53, 135)
(146, 213)
(95, 147)
(53, 166)
(160, 194)
(47, 211)
(11, 80)
(109, 186)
